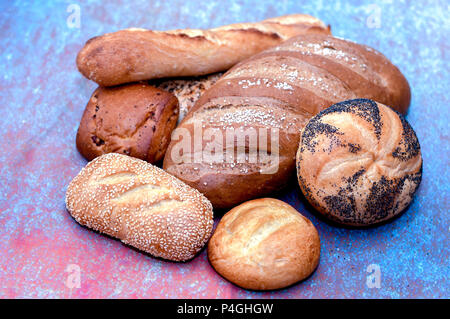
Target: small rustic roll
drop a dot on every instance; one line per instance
(264, 244)
(134, 119)
(141, 205)
(359, 162)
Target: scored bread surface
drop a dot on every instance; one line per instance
(264, 244)
(141, 205)
(359, 162)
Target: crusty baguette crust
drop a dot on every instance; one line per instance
(134, 119)
(264, 244)
(137, 54)
(141, 205)
(282, 88)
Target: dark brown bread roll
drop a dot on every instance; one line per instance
(264, 244)
(359, 162)
(277, 91)
(133, 119)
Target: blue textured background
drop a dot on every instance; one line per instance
(42, 97)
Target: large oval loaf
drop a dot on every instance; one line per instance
(141, 205)
(279, 89)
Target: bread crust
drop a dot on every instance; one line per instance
(141, 205)
(133, 119)
(281, 88)
(264, 244)
(187, 90)
(137, 54)
(359, 162)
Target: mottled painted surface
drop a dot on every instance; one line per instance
(42, 99)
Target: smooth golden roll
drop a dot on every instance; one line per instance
(264, 244)
(359, 162)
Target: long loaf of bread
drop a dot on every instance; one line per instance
(277, 90)
(141, 205)
(138, 54)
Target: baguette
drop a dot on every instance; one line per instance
(141, 205)
(138, 54)
(275, 91)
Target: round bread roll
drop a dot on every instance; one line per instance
(359, 162)
(264, 244)
(133, 119)
(141, 205)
